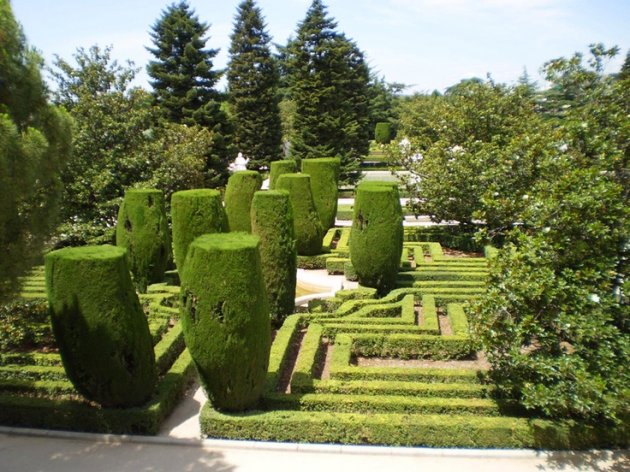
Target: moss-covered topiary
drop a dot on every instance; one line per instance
(324, 174)
(238, 199)
(225, 318)
(195, 212)
(99, 325)
(376, 236)
(308, 229)
(143, 230)
(383, 132)
(277, 168)
(272, 222)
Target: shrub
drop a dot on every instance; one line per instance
(278, 168)
(142, 229)
(225, 317)
(22, 325)
(308, 228)
(101, 331)
(324, 174)
(383, 132)
(272, 222)
(238, 199)
(376, 236)
(195, 212)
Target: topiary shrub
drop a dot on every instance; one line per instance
(142, 229)
(383, 132)
(277, 168)
(272, 222)
(376, 236)
(100, 328)
(225, 318)
(308, 229)
(324, 174)
(238, 199)
(195, 212)
(399, 209)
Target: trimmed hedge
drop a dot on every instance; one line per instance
(324, 174)
(239, 193)
(272, 222)
(397, 429)
(376, 236)
(308, 229)
(383, 132)
(195, 212)
(101, 331)
(225, 317)
(277, 168)
(142, 229)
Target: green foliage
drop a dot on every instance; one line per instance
(195, 212)
(142, 229)
(376, 236)
(473, 153)
(253, 80)
(324, 174)
(35, 142)
(21, 324)
(225, 317)
(278, 168)
(328, 82)
(99, 326)
(272, 222)
(183, 81)
(554, 322)
(308, 228)
(238, 199)
(383, 132)
(384, 103)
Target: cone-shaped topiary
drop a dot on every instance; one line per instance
(101, 331)
(142, 229)
(324, 174)
(238, 199)
(277, 168)
(272, 222)
(195, 212)
(308, 229)
(376, 236)
(225, 318)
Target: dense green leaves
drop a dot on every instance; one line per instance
(253, 79)
(35, 141)
(183, 80)
(328, 83)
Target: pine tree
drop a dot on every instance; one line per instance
(253, 79)
(328, 81)
(34, 143)
(183, 80)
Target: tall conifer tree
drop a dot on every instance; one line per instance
(35, 141)
(253, 79)
(183, 80)
(328, 81)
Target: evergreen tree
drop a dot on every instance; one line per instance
(183, 80)
(34, 143)
(253, 79)
(328, 81)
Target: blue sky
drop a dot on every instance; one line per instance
(428, 44)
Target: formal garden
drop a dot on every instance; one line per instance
(484, 233)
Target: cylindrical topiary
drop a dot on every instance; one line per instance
(324, 174)
(142, 229)
(100, 328)
(308, 229)
(239, 192)
(195, 212)
(272, 222)
(225, 318)
(393, 186)
(376, 236)
(277, 168)
(383, 132)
